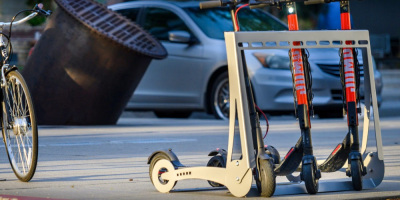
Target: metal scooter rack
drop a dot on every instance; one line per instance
(237, 42)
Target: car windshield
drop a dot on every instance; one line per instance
(214, 22)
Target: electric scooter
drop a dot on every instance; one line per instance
(237, 174)
(302, 152)
(349, 149)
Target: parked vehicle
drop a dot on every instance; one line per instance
(194, 76)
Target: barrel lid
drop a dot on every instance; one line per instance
(114, 26)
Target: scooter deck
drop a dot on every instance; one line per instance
(291, 161)
(374, 177)
(338, 157)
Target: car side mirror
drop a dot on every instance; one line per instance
(179, 36)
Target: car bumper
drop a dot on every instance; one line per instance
(273, 90)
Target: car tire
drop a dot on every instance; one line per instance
(173, 114)
(219, 98)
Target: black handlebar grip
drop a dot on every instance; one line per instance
(258, 6)
(309, 2)
(210, 4)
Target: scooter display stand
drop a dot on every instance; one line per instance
(238, 42)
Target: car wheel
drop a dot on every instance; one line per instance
(219, 98)
(172, 114)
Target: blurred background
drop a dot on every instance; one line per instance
(379, 17)
(375, 15)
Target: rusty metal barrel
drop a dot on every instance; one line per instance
(87, 64)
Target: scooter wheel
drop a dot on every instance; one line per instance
(309, 177)
(356, 174)
(153, 162)
(160, 167)
(216, 161)
(266, 181)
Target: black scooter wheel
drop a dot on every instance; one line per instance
(216, 161)
(356, 174)
(309, 177)
(266, 181)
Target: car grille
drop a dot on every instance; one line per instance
(336, 94)
(334, 69)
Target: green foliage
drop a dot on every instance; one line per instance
(39, 19)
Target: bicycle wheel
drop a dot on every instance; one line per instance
(19, 127)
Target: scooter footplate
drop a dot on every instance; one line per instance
(374, 177)
(338, 157)
(291, 162)
(324, 186)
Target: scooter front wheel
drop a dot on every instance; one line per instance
(356, 174)
(216, 161)
(309, 177)
(265, 181)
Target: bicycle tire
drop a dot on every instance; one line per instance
(19, 127)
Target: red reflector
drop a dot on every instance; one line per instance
(337, 148)
(290, 152)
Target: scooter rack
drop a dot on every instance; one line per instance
(238, 42)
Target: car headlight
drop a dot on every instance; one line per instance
(273, 61)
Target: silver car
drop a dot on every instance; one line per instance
(194, 75)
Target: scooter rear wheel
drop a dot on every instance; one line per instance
(266, 182)
(160, 167)
(216, 161)
(309, 177)
(156, 158)
(356, 175)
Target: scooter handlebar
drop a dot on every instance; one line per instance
(210, 4)
(309, 2)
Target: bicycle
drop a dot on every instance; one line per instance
(18, 120)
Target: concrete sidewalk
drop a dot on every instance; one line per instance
(110, 162)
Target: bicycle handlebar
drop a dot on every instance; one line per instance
(19, 21)
(36, 10)
(39, 8)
